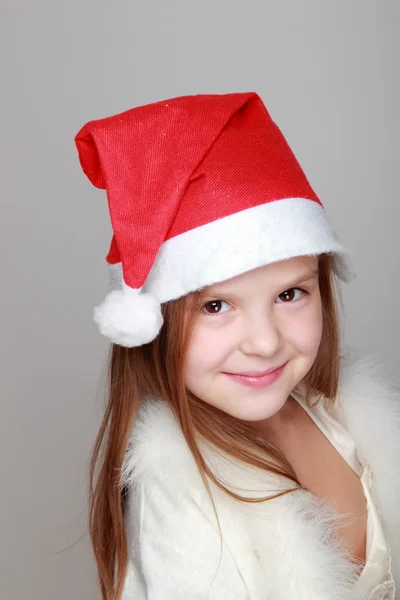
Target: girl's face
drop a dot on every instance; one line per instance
(266, 319)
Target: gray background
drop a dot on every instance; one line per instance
(329, 74)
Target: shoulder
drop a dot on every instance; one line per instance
(157, 449)
(368, 392)
(369, 407)
(365, 378)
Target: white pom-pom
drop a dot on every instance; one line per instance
(129, 318)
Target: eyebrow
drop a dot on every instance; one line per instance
(305, 276)
(309, 274)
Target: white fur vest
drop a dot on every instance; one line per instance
(281, 549)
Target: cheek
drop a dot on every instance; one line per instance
(307, 332)
(207, 351)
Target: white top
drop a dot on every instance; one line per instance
(376, 577)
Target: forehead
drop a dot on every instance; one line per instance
(278, 273)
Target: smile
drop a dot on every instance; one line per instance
(257, 381)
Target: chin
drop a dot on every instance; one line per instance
(253, 410)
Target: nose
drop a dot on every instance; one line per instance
(261, 336)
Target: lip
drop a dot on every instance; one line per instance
(258, 379)
(257, 373)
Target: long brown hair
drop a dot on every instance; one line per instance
(156, 369)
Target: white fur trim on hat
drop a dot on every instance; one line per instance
(243, 241)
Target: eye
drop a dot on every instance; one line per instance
(290, 295)
(214, 307)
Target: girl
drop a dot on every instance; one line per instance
(239, 457)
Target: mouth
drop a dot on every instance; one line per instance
(257, 373)
(257, 379)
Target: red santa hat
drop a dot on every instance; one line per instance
(200, 189)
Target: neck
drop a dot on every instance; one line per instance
(280, 424)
